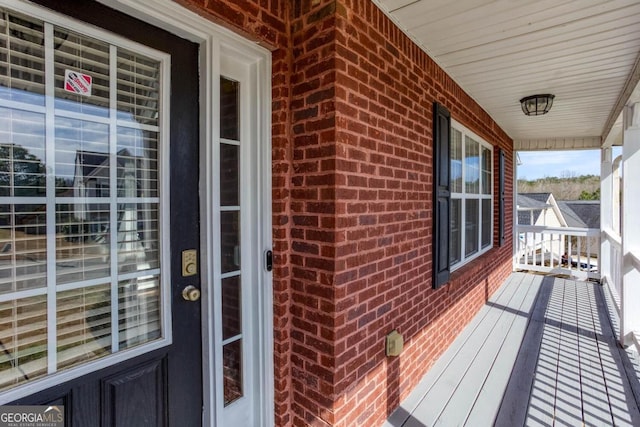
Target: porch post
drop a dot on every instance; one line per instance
(630, 298)
(606, 214)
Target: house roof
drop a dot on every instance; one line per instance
(581, 213)
(528, 202)
(92, 161)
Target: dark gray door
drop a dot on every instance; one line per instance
(98, 201)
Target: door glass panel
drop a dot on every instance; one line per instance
(82, 158)
(231, 307)
(23, 340)
(23, 247)
(22, 172)
(82, 55)
(21, 58)
(83, 325)
(229, 111)
(80, 227)
(232, 369)
(139, 315)
(82, 250)
(230, 236)
(138, 88)
(229, 174)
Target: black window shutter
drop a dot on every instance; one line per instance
(502, 196)
(442, 194)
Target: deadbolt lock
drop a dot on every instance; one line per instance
(189, 262)
(191, 293)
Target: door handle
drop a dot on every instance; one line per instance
(191, 293)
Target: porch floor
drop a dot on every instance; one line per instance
(541, 352)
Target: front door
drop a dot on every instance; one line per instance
(99, 217)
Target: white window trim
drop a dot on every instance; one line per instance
(462, 196)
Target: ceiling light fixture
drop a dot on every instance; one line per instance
(537, 105)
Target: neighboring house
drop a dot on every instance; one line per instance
(582, 214)
(543, 210)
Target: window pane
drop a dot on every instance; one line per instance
(82, 158)
(231, 307)
(472, 165)
(23, 247)
(82, 55)
(138, 237)
(83, 325)
(82, 241)
(230, 240)
(22, 168)
(472, 226)
(456, 161)
(486, 171)
(138, 88)
(137, 163)
(487, 224)
(23, 336)
(456, 231)
(139, 313)
(21, 58)
(229, 175)
(229, 109)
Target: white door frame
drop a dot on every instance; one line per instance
(214, 41)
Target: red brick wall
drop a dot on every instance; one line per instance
(352, 204)
(385, 91)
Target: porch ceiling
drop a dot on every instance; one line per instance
(586, 52)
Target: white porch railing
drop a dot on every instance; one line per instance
(611, 265)
(559, 250)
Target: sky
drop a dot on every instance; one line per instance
(541, 164)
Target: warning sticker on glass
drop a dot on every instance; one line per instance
(76, 82)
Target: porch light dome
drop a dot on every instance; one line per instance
(537, 105)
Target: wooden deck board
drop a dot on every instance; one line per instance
(503, 335)
(409, 405)
(446, 384)
(533, 357)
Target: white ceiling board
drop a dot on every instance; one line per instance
(498, 51)
(480, 30)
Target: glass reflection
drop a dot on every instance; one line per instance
(23, 340)
(229, 175)
(232, 371)
(229, 109)
(231, 307)
(23, 247)
(230, 240)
